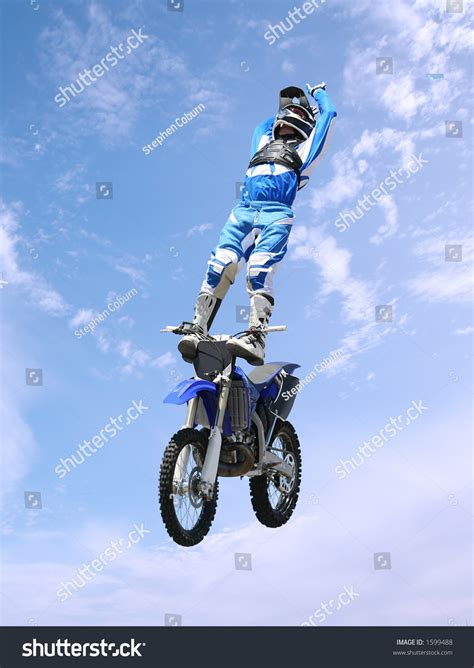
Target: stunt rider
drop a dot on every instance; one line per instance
(285, 149)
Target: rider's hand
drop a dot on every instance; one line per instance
(312, 89)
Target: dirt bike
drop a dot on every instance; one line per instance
(236, 425)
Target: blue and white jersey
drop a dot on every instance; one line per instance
(272, 182)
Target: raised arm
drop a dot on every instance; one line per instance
(318, 141)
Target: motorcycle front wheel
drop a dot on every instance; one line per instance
(186, 515)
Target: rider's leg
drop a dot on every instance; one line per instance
(235, 242)
(263, 262)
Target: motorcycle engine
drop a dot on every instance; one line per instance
(237, 454)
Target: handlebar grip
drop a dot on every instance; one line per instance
(313, 89)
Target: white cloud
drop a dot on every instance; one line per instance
(287, 66)
(363, 167)
(110, 102)
(402, 99)
(344, 185)
(137, 275)
(443, 281)
(18, 443)
(18, 446)
(82, 317)
(36, 288)
(421, 40)
(371, 143)
(68, 179)
(356, 170)
(126, 320)
(134, 356)
(199, 229)
(358, 297)
(107, 337)
(163, 360)
(334, 265)
(137, 358)
(449, 284)
(464, 331)
(102, 241)
(390, 227)
(142, 79)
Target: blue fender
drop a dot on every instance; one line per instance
(187, 389)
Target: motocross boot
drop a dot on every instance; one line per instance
(204, 312)
(251, 347)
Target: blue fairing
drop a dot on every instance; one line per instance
(270, 391)
(187, 389)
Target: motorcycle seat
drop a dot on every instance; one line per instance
(263, 375)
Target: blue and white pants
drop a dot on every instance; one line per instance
(256, 233)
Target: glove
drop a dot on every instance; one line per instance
(312, 89)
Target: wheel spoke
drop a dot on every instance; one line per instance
(279, 492)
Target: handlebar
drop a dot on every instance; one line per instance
(172, 329)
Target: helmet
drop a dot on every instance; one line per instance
(299, 116)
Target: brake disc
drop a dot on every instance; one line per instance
(193, 487)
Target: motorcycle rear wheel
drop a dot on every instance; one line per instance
(273, 496)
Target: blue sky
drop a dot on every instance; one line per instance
(65, 255)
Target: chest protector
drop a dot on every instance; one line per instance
(280, 152)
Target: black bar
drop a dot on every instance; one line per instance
(245, 647)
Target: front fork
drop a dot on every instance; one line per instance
(183, 457)
(211, 461)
